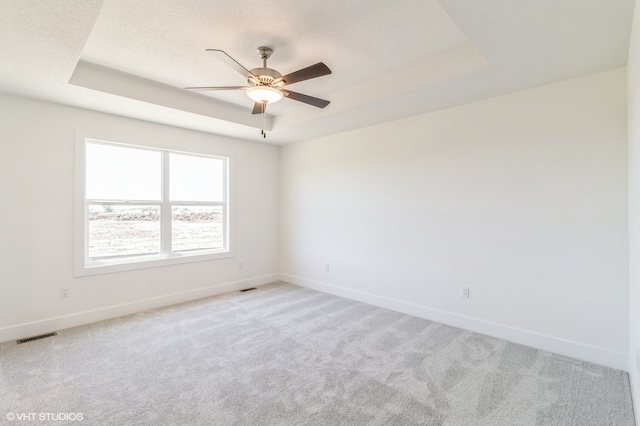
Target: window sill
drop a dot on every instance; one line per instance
(107, 267)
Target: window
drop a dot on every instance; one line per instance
(142, 206)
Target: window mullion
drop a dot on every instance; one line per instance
(165, 209)
(198, 203)
(124, 202)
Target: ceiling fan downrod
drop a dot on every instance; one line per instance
(265, 53)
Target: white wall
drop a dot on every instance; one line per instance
(633, 79)
(36, 221)
(521, 197)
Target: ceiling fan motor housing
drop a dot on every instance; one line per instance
(266, 77)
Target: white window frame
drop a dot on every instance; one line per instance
(85, 266)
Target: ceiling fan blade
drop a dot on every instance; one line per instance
(259, 108)
(204, 88)
(312, 71)
(316, 102)
(224, 57)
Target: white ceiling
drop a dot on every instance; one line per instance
(389, 59)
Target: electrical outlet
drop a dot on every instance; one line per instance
(65, 292)
(464, 291)
(327, 267)
(240, 265)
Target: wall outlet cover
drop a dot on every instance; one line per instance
(464, 291)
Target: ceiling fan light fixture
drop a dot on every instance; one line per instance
(264, 94)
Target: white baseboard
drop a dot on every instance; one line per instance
(544, 342)
(539, 341)
(49, 325)
(634, 380)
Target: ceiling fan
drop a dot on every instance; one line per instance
(266, 84)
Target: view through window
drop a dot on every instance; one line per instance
(143, 204)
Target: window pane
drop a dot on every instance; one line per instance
(197, 228)
(194, 178)
(120, 173)
(118, 232)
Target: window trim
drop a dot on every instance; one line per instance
(83, 267)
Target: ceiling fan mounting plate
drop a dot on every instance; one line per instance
(265, 52)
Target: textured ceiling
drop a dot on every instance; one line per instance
(168, 44)
(389, 61)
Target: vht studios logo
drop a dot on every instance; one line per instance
(52, 417)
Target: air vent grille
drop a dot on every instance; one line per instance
(31, 339)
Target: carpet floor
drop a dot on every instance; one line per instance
(285, 355)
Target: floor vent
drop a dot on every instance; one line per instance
(248, 289)
(31, 339)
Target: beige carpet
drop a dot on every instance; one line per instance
(283, 355)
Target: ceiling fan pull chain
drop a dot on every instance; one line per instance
(264, 134)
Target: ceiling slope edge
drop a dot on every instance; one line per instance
(371, 95)
(117, 83)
